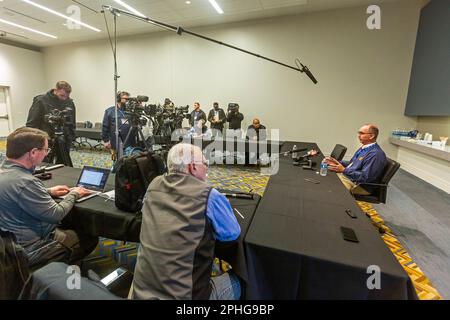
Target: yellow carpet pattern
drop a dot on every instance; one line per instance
(423, 286)
(242, 178)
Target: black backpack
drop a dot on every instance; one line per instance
(133, 175)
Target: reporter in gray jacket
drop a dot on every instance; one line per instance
(27, 209)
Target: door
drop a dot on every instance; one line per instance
(4, 114)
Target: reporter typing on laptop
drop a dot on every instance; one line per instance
(27, 208)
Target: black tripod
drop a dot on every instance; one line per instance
(60, 152)
(136, 132)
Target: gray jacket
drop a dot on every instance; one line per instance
(26, 207)
(177, 243)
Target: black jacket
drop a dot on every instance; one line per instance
(44, 104)
(201, 116)
(260, 133)
(222, 119)
(235, 119)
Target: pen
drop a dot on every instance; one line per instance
(239, 213)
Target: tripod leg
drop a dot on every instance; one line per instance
(148, 147)
(129, 135)
(62, 152)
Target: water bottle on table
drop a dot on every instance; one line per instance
(323, 168)
(294, 154)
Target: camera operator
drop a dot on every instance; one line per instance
(217, 118)
(168, 118)
(198, 119)
(234, 117)
(55, 99)
(168, 106)
(109, 125)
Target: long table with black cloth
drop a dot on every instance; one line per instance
(100, 217)
(290, 247)
(295, 249)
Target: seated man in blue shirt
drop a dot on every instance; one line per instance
(182, 218)
(366, 166)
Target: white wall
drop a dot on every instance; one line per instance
(363, 75)
(21, 70)
(437, 126)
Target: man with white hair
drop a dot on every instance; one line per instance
(182, 217)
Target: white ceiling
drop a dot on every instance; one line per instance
(173, 12)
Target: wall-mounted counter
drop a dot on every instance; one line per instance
(431, 164)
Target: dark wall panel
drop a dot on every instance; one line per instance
(429, 87)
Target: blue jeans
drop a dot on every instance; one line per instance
(225, 287)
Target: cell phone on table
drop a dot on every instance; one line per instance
(113, 276)
(349, 234)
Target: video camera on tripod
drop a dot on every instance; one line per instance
(180, 114)
(58, 120)
(136, 107)
(233, 107)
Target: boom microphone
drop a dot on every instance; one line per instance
(308, 73)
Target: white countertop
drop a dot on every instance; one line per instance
(437, 152)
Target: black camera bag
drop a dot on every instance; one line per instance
(133, 175)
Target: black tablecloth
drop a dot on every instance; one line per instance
(89, 133)
(291, 247)
(295, 249)
(100, 217)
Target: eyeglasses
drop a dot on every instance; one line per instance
(47, 150)
(361, 133)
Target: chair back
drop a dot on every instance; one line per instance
(338, 152)
(380, 194)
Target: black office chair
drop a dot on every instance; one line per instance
(338, 152)
(380, 194)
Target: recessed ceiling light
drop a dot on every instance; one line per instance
(61, 15)
(130, 8)
(26, 28)
(188, 2)
(216, 6)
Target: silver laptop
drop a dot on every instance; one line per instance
(93, 179)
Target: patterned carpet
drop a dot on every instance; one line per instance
(422, 284)
(245, 179)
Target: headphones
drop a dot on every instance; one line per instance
(119, 96)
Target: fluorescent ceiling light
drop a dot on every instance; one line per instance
(61, 15)
(130, 8)
(26, 28)
(216, 6)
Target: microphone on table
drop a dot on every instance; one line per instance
(293, 151)
(45, 169)
(239, 195)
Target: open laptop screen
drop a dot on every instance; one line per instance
(93, 178)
